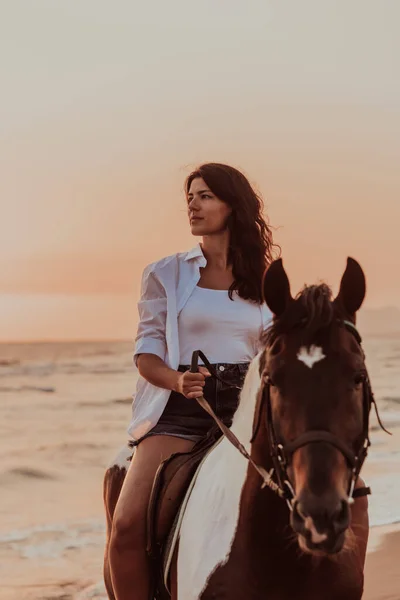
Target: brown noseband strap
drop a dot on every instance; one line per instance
(316, 436)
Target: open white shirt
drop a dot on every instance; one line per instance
(166, 287)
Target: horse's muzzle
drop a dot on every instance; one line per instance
(320, 524)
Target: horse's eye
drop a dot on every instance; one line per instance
(276, 347)
(276, 378)
(359, 378)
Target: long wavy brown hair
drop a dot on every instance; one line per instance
(251, 247)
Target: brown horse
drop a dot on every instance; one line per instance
(303, 417)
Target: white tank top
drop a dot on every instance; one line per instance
(227, 331)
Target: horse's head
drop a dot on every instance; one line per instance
(316, 396)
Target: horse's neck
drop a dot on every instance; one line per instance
(270, 511)
(264, 549)
(242, 427)
(243, 420)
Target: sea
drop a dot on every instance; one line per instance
(31, 369)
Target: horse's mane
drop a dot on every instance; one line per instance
(311, 311)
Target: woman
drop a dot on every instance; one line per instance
(208, 299)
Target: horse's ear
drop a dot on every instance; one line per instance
(352, 288)
(276, 288)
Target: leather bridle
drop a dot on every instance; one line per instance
(282, 453)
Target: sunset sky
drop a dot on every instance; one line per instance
(106, 106)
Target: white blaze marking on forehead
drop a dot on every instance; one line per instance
(310, 356)
(316, 537)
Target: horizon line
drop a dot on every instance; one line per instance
(66, 341)
(369, 334)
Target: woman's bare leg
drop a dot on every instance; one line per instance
(130, 569)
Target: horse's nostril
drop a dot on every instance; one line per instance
(297, 517)
(318, 520)
(300, 510)
(342, 517)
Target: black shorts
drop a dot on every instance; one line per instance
(185, 418)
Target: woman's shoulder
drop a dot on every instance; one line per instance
(172, 260)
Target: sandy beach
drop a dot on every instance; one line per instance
(382, 580)
(64, 411)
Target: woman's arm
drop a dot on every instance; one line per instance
(150, 348)
(152, 308)
(152, 368)
(155, 371)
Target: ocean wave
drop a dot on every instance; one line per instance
(69, 368)
(28, 388)
(70, 448)
(34, 542)
(96, 590)
(107, 371)
(391, 399)
(384, 521)
(18, 473)
(383, 456)
(100, 353)
(386, 424)
(383, 502)
(127, 400)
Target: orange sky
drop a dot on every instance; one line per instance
(107, 109)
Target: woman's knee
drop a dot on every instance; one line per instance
(129, 524)
(128, 531)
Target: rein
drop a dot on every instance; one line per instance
(281, 454)
(266, 477)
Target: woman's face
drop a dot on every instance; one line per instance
(208, 214)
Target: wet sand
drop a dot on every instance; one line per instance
(382, 575)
